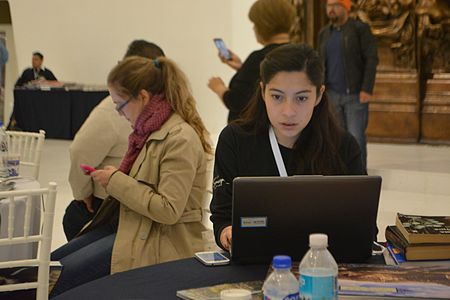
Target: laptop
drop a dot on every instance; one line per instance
(275, 215)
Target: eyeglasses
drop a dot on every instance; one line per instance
(119, 107)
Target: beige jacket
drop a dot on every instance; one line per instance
(160, 201)
(101, 141)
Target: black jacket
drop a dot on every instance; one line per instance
(360, 55)
(28, 75)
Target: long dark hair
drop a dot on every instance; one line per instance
(317, 148)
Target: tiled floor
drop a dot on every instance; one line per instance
(416, 180)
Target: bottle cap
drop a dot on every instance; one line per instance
(235, 294)
(282, 262)
(318, 240)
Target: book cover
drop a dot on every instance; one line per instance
(393, 281)
(26, 274)
(425, 251)
(396, 254)
(424, 229)
(395, 237)
(213, 292)
(388, 259)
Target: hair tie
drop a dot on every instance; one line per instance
(156, 63)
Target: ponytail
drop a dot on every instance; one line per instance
(178, 94)
(160, 75)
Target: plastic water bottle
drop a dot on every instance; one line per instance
(281, 284)
(3, 152)
(318, 271)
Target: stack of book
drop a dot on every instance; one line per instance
(419, 238)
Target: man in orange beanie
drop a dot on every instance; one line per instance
(349, 52)
(346, 4)
(337, 10)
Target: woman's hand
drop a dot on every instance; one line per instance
(225, 238)
(88, 202)
(235, 62)
(217, 85)
(102, 176)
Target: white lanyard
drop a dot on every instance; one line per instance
(277, 153)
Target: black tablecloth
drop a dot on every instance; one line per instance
(59, 112)
(164, 280)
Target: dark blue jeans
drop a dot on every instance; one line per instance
(85, 258)
(354, 117)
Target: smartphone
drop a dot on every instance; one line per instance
(223, 50)
(212, 258)
(87, 169)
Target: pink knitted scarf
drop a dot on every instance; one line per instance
(152, 117)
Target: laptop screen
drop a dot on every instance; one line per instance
(275, 215)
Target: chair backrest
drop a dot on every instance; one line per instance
(44, 238)
(29, 146)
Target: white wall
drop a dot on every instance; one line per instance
(82, 40)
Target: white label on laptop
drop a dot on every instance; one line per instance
(251, 222)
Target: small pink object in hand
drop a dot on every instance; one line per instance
(87, 169)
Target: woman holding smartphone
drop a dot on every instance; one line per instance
(272, 21)
(154, 210)
(290, 115)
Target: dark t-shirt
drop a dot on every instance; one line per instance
(29, 75)
(335, 78)
(240, 153)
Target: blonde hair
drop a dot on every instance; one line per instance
(272, 17)
(156, 76)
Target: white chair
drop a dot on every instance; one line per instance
(29, 146)
(44, 238)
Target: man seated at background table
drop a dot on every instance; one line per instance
(37, 72)
(101, 141)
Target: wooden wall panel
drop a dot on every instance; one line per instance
(435, 114)
(394, 108)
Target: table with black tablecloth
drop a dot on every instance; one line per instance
(59, 112)
(162, 281)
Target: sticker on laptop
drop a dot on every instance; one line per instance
(252, 222)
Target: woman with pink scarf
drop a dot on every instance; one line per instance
(154, 210)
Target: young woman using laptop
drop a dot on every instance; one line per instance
(287, 129)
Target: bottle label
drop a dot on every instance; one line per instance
(294, 296)
(318, 287)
